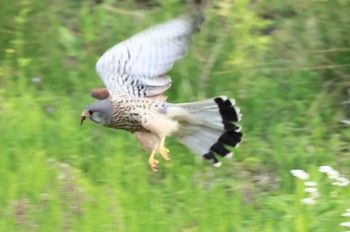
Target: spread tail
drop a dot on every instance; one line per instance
(208, 127)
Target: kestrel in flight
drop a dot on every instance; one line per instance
(133, 72)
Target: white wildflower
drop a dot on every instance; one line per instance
(36, 79)
(346, 214)
(345, 224)
(345, 121)
(310, 183)
(308, 201)
(333, 174)
(341, 181)
(325, 169)
(310, 190)
(300, 174)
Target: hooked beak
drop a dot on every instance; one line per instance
(84, 115)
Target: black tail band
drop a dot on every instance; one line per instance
(211, 157)
(227, 111)
(231, 138)
(229, 126)
(219, 149)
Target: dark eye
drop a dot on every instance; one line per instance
(90, 112)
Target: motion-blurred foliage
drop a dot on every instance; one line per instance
(286, 63)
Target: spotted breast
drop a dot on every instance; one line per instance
(131, 114)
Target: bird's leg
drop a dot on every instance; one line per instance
(163, 151)
(152, 162)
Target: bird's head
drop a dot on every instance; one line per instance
(98, 112)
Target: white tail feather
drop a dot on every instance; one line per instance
(201, 140)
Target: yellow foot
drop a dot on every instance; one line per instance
(153, 164)
(164, 152)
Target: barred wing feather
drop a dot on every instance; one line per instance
(136, 66)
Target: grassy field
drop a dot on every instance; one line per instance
(286, 63)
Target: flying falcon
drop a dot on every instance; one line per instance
(133, 72)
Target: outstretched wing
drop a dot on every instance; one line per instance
(136, 66)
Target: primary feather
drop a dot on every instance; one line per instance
(136, 66)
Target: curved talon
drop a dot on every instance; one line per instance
(153, 164)
(164, 152)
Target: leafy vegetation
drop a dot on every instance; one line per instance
(286, 63)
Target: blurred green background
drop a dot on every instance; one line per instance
(287, 64)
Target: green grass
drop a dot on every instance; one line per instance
(285, 62)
